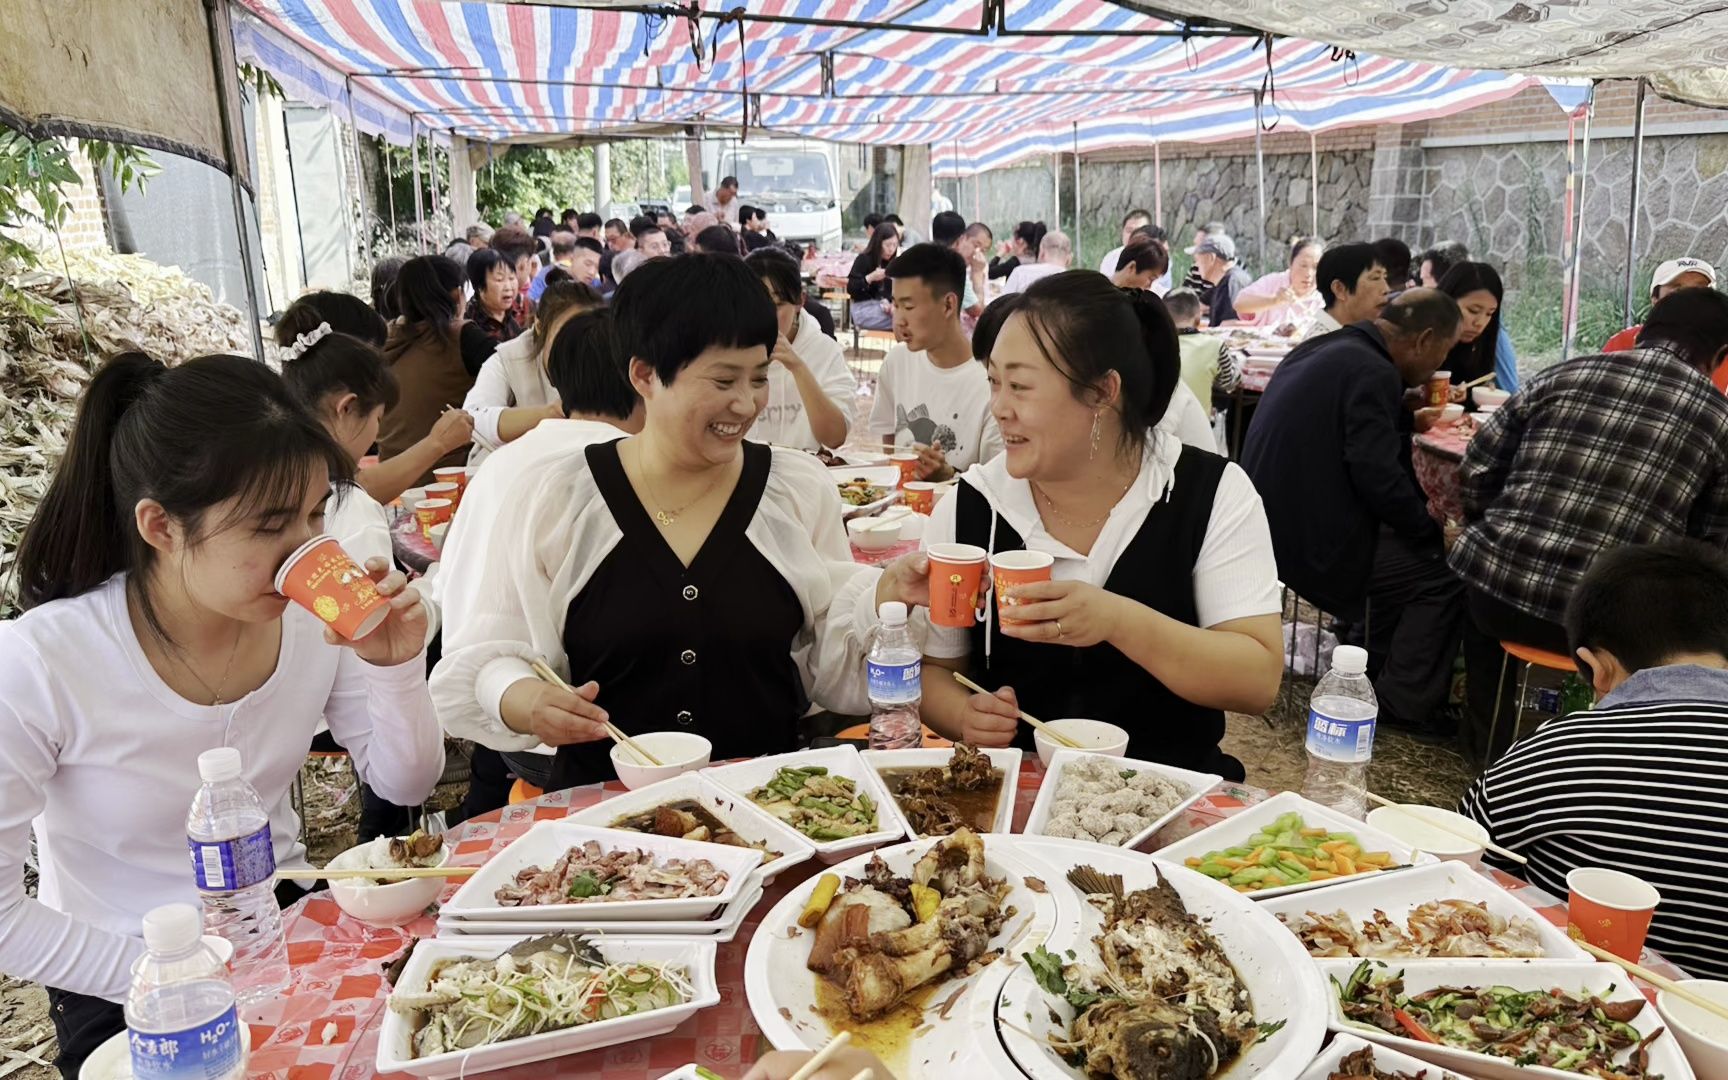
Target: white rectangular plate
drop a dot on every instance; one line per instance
(1401, 893)
(1006, 759)
(1197, 784)
(1666, 1058)
(739, 814)
(744, 776)
(723, 927)
(547, 841)
(1238, 828)
(1386, 1059)
(395, 1048)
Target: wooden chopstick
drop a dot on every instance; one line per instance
(1054, 735)
(546, 674)
(312, 873)
(1715, 1008)
(1504, 853)
(835, 1045)
(1488, 378)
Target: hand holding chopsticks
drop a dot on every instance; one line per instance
(1417, 815)
(823, 1056)
(1051, 733)
(547, 675)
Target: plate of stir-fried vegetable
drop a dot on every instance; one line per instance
(1496, 1020)
(830, 796)
(469, 1006)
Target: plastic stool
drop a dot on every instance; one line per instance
(862, 731)
(1530, 656)
(522, 791)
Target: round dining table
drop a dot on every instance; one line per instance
(1436, 455)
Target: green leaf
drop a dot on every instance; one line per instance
(1046, 967)
(1269, 1030)
(585, 885)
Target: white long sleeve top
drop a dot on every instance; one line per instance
(521, 572)
(100, 756)
(511, 377)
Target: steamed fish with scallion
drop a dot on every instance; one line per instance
(821, 806)
(544, 985)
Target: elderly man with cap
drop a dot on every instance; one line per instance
(1675, 274)
(1215, 257)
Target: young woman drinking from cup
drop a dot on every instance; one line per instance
(153, 632)
(1162, 610)
(684, 578)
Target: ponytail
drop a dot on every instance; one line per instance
(1164, 359)
(426, 310)
(213, 430)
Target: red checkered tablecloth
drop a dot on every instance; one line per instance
(326, 1027)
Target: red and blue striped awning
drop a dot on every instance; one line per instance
(1112, 77)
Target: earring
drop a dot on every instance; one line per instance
(1096, 434)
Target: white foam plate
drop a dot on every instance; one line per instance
(547, 841)
(740, 815)
(744, 776)
(886, 477)
(1401, 893)
(1385, 1059)
(1666, 1057)
(1268, 959)
(723, 926)
(395, 1049)
(1236, 829)
(782, 990)
(1197, 784)
(1006, 759)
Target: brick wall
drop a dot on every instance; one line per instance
(87, 224)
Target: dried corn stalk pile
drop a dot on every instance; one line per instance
(128, 303)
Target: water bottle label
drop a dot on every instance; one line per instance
(207, 1052)
(1340, 740)
(896, 684)
(228, 865)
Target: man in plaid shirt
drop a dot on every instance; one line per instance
(1596, 452)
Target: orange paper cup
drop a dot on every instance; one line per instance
(1011, 568)
(445, 490)
(452, 474)
(956, 573)
(325, 580)
(919, 496)
(431, 512)
(1611, 909)
(1440, 388)
(907, 462)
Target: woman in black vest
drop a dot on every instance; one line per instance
(1163, 608)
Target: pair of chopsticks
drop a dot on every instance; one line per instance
(1417, 815)
(547, 675)
(393, 873)
(1050, 732)
(824, 1055)
(1715, 1008)
(1488, 378)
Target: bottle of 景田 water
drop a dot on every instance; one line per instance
(895, 667)
(234, 864)
(1341, 717)
(181, 1023)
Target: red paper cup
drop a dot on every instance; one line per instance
(325, 580)
(907, 462)
(431, 512)
(1011, 568)
(919, 496)
(1611, 909)
(445, 490)
(956, 573)
(1440, 388)
(452, 474)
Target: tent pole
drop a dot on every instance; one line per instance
(1632, 206)
(437, 215)
(227, 93)
(359, 175)
(1056, 189)
(1571, 308)
(1260, 176)
(1314, 175)
(419, 199)
(1157, 185)
(1079, 254)
(390, 192)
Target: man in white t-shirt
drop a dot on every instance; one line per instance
(1055, 253)
(931, 395)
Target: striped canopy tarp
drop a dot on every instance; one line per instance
(1052, 75)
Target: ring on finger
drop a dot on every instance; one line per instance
(1059, 631)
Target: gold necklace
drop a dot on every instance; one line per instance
(1093, 524)
(216, 691)
(666, 518)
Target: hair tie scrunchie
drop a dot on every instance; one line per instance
(303, 342)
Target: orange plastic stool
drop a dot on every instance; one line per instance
(862, 731)
(1530, 656)
(522, 791)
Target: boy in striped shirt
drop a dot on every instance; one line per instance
(1640, 782)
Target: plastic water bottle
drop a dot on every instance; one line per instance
(896, 674)
(181, 1021)
(228, 832)
(1341, 718)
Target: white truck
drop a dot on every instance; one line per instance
(797, 181)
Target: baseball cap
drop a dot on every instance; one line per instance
(1673, 268)
(1225, 248)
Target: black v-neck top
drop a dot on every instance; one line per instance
(705, 648)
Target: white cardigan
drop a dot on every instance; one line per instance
(525, 569)
(511, 377)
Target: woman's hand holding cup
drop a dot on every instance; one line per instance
(555, 716)
(906, 579)
(1073, 613)
(402, 635)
